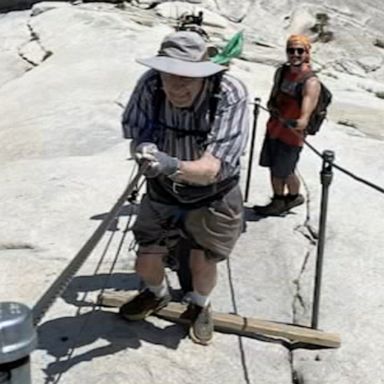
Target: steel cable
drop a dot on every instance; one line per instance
(338, 167)
(63, 280)
(94, 306)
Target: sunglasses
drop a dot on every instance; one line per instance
(291, 51)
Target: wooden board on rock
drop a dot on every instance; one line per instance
(242, 326)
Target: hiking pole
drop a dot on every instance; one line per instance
(256, 111)
(326, 179)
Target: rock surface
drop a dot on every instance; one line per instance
(66, 72)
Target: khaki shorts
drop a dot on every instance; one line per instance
(214, 228)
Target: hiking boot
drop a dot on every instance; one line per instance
(293, 202)
(276, 207)
(201, 329)
(142, 305)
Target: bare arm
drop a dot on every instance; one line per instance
(202, 171)
(311, 94)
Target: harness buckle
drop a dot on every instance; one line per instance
(176, 185)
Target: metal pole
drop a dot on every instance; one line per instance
(18, 339)
(326, 179)
(256, 111)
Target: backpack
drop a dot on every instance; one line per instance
(325, 98)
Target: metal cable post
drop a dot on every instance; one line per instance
(256, 111)
(18, 339)
(326, 179)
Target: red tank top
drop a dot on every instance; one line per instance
(289, 108)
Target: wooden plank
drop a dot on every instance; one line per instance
(115, 298)
(243, 326)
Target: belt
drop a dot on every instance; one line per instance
(167, 191)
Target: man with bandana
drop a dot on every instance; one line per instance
(293, 98)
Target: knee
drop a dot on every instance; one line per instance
(147, 264)
(199, 263)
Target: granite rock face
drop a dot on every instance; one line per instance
(66, 72)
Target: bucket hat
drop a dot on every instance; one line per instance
(183, 53)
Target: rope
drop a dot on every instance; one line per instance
(338, 167)
(359, 179)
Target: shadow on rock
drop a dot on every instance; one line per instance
(251, 215)
(126, 210)
(96, 283)
(71, 339)
(65, 337)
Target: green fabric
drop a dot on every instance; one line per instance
(231, 50)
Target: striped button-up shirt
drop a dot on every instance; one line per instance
(186, 133)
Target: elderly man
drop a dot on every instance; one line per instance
(188, 122)
(293, 98)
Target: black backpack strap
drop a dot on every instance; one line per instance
(277, 81)
(215, 97)
(308, 76)
(157, 100)
(300, 86)
(158, 97)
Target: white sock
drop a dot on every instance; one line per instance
(198, 299)
(159, 290)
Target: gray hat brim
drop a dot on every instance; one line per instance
(181, 67)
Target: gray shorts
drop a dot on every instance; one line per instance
(281, 158)
(214, 228)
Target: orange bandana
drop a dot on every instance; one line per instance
(299, 39)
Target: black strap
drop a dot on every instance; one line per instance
(158, 98)
(279, 78)
(215, 97)
(165, 191)
(190, 196)
(300, 86)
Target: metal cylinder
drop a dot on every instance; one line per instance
(17, 340)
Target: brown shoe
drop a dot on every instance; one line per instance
(142, 305)
(201, 329)
(294, 202)
(276, 207)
